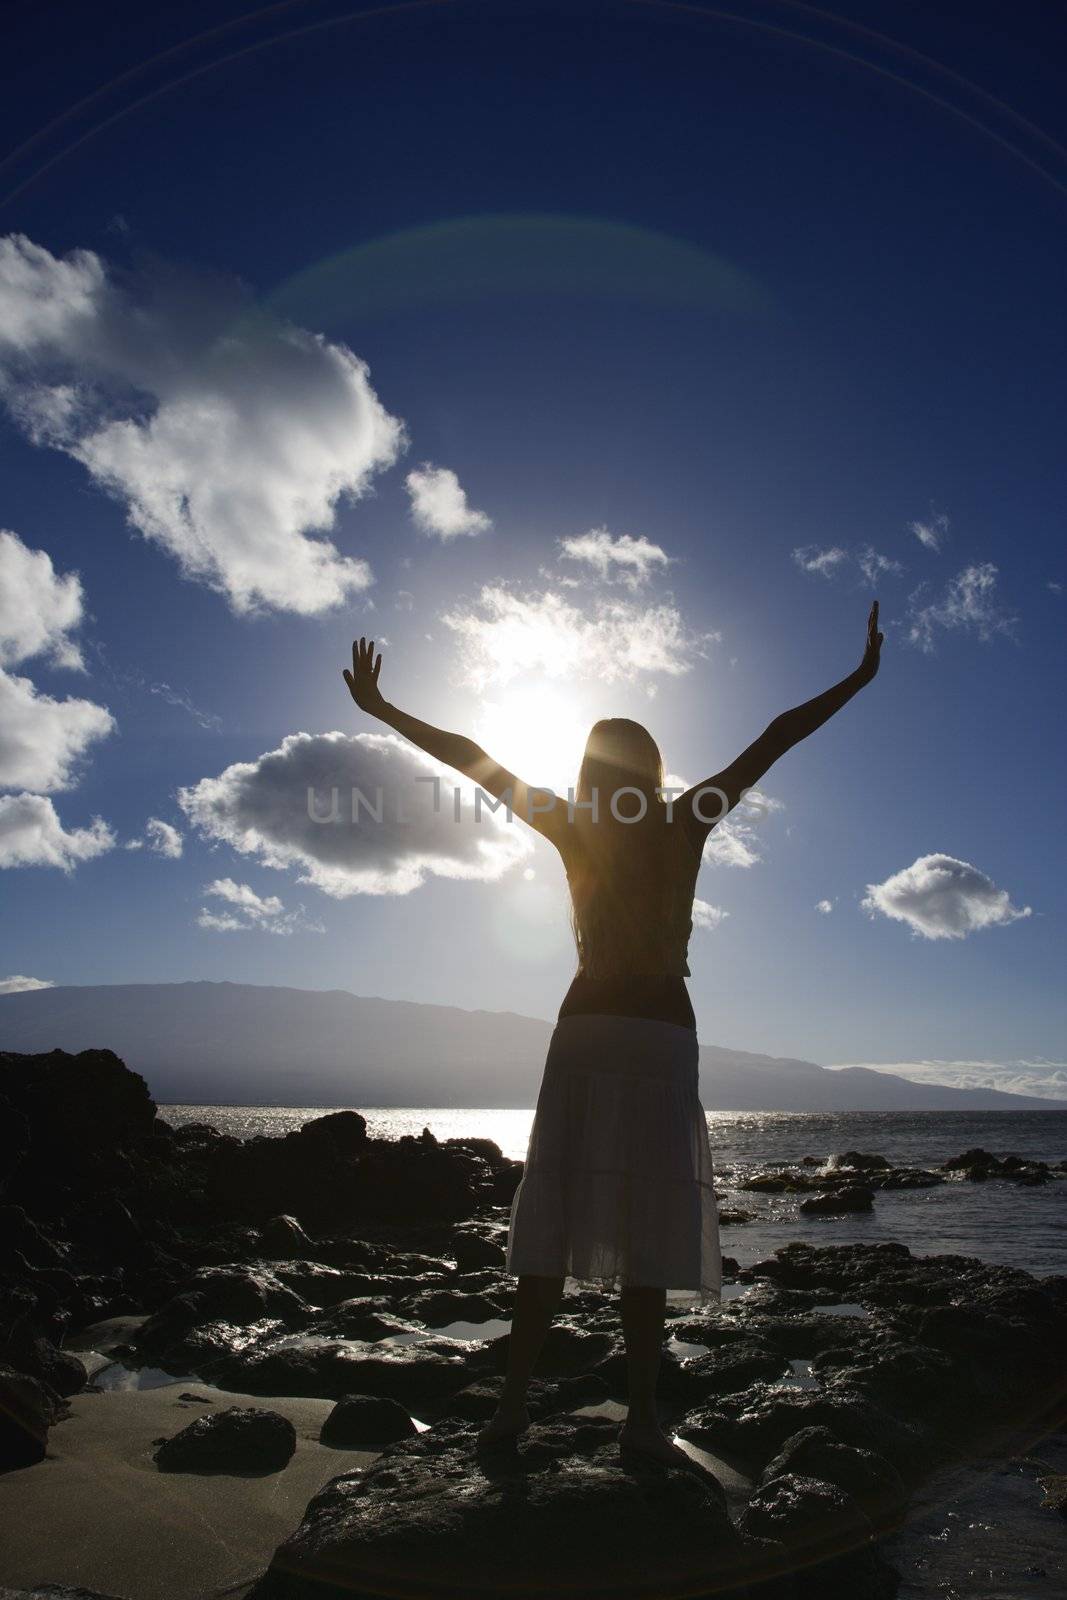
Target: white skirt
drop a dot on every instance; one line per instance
(617, 1188)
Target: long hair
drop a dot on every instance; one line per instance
(620, 754)
(618, 875)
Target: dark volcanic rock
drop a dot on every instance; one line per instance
(861, 1161)
(40, 1358)
(343, 1133)
(283, 1239)
(235, 1440)
(979, 1164)
(478, 1401)
(366, 1422)
(567, 1350)
(55, 1591)
(471, 1251)
(331, 1368)
(755, 1424)
(853, 1197)
(827, 1536)
(871, 1480)
(28, 1408)
(434, 1511)
(728, 1369)
(438, 1307)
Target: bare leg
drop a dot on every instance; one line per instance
(536, 1303)
(643, 1312)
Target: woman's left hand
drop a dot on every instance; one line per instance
(362, 681)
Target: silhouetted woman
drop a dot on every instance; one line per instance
(617, 1186)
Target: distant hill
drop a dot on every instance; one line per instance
(246, 1044)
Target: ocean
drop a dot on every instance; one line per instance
(996, 1221)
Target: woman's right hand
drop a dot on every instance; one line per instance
(872, 654)
(362, 681)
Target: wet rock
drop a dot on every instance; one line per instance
(318, 1285)
(566, 1351)
(733, 1216)
(365, 1317)
(432, 1509)
(872, 1481)
(39, 1358)
(244, 1294)
(23, 1244)
(438, 1307)
(283, 1239)
(472, 1252)
(905, 1178)
(978, 1165)
(726, 1371)
(755, 1424)
(366, 1422)
(55, 1591)
(478, 1401)
(28, 1408)
(328, 1369)
(775, 1182)
(853, 1197)
(861, 1161)
(826, 1534)
(238, 1439)
(204, 1320)
(343, 1133)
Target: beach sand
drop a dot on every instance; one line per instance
(98, 1512)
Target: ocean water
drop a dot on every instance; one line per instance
(996, 1221)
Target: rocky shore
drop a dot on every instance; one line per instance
(326, 1293)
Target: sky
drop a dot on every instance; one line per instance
(595, 359)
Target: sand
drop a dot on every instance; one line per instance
(97, 1511)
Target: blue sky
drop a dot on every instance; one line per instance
(750, 309)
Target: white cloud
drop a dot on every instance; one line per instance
(940, 897)
(969, 602)
(269, 808)
(824, 563)
(39, 609)
(222, 922)
(41, 739)
(439, 505)
(874, 565)
(933, 532)
(629, 560)
(831, 562)
(1054, 586)
(824, 906)
(734, 841)
(250, 910)
(17, 984)
(31, 835)
(164, 839)
(504, 635)
(1037, 1076)
(231, 436)
(706, 916)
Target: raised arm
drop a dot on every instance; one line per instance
(535, 806)
(778, 737)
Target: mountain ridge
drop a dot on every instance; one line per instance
(203, 1041)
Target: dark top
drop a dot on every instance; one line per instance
(659, 999)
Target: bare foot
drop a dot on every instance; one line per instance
(649, 1440)
(504, 1425)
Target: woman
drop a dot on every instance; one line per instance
(617, 1185)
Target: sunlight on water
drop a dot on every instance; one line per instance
(996, 1221)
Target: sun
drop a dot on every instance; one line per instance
(537, 732)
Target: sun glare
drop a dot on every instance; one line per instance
(538, 732)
